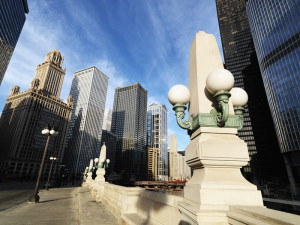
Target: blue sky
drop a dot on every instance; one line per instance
(145, 41)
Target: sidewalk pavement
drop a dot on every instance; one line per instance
(61, 206)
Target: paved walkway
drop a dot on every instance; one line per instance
(61, 206)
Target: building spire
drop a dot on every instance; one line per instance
(50, 74)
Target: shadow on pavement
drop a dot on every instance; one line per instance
(54, 200)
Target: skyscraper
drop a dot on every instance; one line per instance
(129, 124)
(157, 137)
(26, 114)
(275, 26)
(12, 20)
(173, 158)
(178, 169)
(152, 163)
(89, 88)
(240, 58)
(107, 120)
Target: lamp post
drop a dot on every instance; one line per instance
(215, 152)
(86, 172)
(102, 166)
(52, 160)
(104, 163)
(49, 131)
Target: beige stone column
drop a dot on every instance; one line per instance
(216, 154)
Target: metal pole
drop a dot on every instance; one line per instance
(35, 197)
(47, 185)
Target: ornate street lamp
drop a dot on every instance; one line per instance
(103, 165)
(52, 160)
(49, 131)
(86, 172)
(219, 84)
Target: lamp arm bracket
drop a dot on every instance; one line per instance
(180, 114)
(223, 113)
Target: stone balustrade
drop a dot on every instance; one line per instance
(135, 206)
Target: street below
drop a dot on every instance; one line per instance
(67, 205)
(14, 193)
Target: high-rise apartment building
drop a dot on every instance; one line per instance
(26, 114)
(152, 163)
(89, 88)
(173, 167)
(178, 169)
(266, 164)
(275, 27)
(186, 170)
(12, 20)
(129, 124)
(107, 120)
(157, 137)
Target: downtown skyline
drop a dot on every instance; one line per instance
(130, 43)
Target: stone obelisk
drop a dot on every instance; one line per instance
(215, 153)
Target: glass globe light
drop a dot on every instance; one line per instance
(219, 80)
(53, 132)
(108, 161)
(239, 97)
(102, 160)
(179, 94)
(45, 131)
(87, 168)
(96, 160)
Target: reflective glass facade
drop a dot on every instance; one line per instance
(157, 137)
(12, 19)
(266, 163)
(275, 26)
(89, 88)
(129, 124)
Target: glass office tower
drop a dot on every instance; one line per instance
(129, 124)
(89, 88)
(12, 19)
(266, 163)
(275, 27)
(157, 137)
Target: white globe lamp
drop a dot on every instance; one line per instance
(239, 97)
(45, 131)
(179, 94)
(219, 80)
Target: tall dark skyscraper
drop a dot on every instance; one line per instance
(27, 113)
(275, 26)
(12, 19)
(266, 164)
(129, 124)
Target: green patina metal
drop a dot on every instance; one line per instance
(102, 165)
(219, 117)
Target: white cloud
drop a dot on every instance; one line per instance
(116, 79)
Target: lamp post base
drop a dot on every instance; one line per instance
(217, 182)
(34, 198)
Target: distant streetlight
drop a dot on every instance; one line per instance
(49, 130)
(52, 160)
